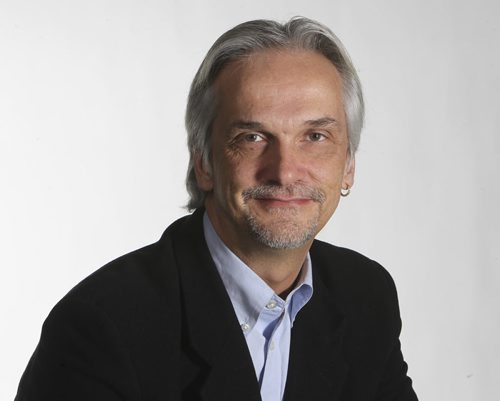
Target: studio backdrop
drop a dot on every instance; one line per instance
(93, 159)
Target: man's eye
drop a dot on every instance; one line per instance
(253, 138)
(316, 137)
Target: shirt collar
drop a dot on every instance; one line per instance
(250, 294)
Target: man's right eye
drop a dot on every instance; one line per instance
(252, 137)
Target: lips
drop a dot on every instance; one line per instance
(289, 202)
(284, 195)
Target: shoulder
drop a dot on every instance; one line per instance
(354, 280)
(344, 262)
(140, 272)
(139, 286)
(146, 272)
(118, 328)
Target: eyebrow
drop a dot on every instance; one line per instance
(255, 125)
(322, 122)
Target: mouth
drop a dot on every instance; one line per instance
(272, 196)
(283, 202)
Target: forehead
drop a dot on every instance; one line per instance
(279, 81)
(278, 64)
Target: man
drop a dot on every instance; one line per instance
(238, 301)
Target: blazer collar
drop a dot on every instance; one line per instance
(317, 368)
(211, 325)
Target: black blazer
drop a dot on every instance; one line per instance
(157, 324)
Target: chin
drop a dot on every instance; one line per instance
(283, 231)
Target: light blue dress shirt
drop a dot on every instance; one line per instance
(265, 319)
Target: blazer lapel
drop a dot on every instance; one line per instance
(317, 367)
(211, 326)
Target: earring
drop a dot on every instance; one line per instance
(345, 192)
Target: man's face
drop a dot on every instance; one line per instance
(279, 150)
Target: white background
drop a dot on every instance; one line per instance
(92, 159)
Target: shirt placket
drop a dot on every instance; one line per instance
(272, 379)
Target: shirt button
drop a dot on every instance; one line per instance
(271, 304)
(245, 327)
(271, 346)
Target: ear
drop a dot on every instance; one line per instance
(203, 174)
(350, 166)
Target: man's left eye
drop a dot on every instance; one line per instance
(316, 137)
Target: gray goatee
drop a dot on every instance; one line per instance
(286, 232)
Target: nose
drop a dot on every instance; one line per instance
(282, 164)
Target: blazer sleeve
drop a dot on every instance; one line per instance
(395, 385)
(80, 357)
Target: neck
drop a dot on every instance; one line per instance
(279, 268)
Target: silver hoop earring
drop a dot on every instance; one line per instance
(345, 192)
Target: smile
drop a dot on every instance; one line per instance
(284, 202)
(288, 196)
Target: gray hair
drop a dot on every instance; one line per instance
(243, 40)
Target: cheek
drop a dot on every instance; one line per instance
(327, 174)
(242, 171)
(231, 180)
(232, 173)
(241, 179)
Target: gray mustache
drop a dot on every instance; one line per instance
(266, 191)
